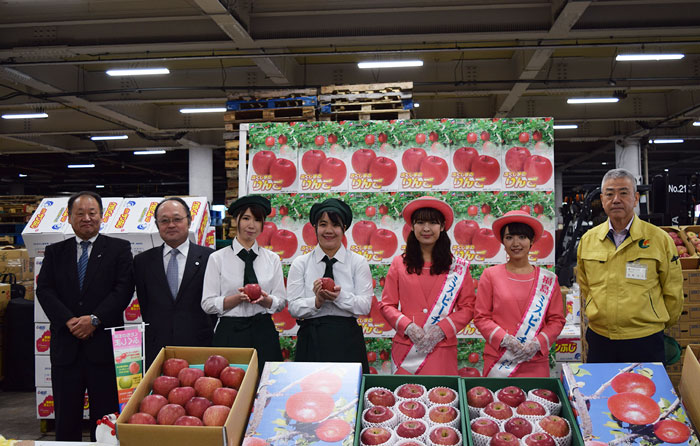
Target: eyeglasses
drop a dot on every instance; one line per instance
(167, 221)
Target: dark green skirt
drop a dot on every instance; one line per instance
(256, 332)
(331, 339)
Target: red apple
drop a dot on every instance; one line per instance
(464, 231)
(162, 385)
(381, 397)
(518, 426)
(269, 228)
(284, 243)
(327, 284)
(311, 161)
(486, 169)
(216, 415)
(232, 377)
(504, 439)
(543, 247)
(333, 430)
(188, 376)
(308, 233)
(206, 385)
(224, 396)
(169, 413)
(486, 243)
(471, 137)
(412, 409)
(375, 435)
(633, 382)
(511, 395)
(442, 414)
(547, 395)
(411, 429)
(468, 372)
(188, 420)
(485, 426)
(196, 406)
(412, 159)
(141, 418)
(410, 391)
(384, 243)
(282, 139)
(538, 169)
(479, 396)
(334, 170)
(283, 172)
(180, 395)
(270, 141)
(214, 365)
(498, 410)
(262, 161)
(434, 169)
(253, 291)
(441, 395)
(361, 160)
(378, 414)
(528, 407)
(383, 170)
(463, 158)
(151, 404)
(516, 157)
(539, 439)
(362, 232)
(555, 425)
(672, 431)
(444, 435)
(172, 366)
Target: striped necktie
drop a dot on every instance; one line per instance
(82, 262)
(172, 272)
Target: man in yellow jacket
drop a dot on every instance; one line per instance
(630, 277)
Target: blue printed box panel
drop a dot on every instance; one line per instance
(627, 403)
(305, 403)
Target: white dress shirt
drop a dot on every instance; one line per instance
(224, 276)
(181, 259)
(351, 273)
(80, 248)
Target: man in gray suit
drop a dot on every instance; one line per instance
(169, 283)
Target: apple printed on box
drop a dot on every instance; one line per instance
(273, 165)
(627, 403)
(528, 154)
(374, 156)
(325, 160)
(305, 403)
(476, 155)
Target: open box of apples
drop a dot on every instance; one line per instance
(517, 412)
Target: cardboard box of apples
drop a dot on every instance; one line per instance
(191, 395)
(518, 411)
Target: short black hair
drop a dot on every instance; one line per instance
(257, 211)
(517, 228)
(89, 193)
(178, 200)
(334, 217)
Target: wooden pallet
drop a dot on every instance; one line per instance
(367, 107)
(231, 144)
(367, 88)
(271, 114)
(376, 115)
(231, 154)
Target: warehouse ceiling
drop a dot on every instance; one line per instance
(491, 58)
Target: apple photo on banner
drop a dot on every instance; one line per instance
(528, 154)
(373, 232)
(471, 234)
(272, 163)
(425, 157)
(373, 155)
(324, 158)
(476, 156)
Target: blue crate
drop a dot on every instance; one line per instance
(301, 101)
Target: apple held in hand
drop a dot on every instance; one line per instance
(463, 158)
(214, 365)
(361, 160)
(216, 415)
(410, 391)
(253, 291)
(311, 161)
(141, 418)
(511, 395)
(169, 413)
(486, 169)
(464, 231)
(327, 284)
(162, 385)
(172, 366)
(504, 439)
(498, 410)
(444, 435)
(262, 162)
(538, 169)
(479, 396)
(411, 429)
(375, 435)
(539, 439)
(556, 426)
(412, 159)
(383, 170)
(151, 404)
(485, 243)
(333, 170)
(362, 232)
(378, 414)
(283, 172)
(284, 242)
(442, 414)
(381, 397)
(516, 157)
(485, 426)
(518, 426)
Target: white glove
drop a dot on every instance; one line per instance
(433, 335)
(414, 333)
(514, 346)
(530, 349)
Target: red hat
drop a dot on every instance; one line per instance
(429, 202)
(517, 217)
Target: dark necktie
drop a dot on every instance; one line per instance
(82, 262)
(248, 273)
(171, 273)
(329, 266)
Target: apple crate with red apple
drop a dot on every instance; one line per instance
(627, 403)
(199, 395)
(685, 246)
(306, 402)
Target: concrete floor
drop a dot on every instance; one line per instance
(18, 418)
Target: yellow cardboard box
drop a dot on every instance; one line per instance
(4, 298)
(15, 261)
(228, 435)
(689, 386)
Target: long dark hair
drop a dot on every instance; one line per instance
(442, 257)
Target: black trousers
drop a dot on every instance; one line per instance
(69, 383)
(647, 349)
(256, 332)
(331, 339)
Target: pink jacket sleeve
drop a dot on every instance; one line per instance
(389, 305)
(553, 322)
(483, 312)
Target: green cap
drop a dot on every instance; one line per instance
(249, 200)
(331, 205)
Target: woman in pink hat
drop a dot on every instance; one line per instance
(519, 308)
(428, 294)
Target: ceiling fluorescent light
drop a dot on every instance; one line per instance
(203, 110)
(637, 57)
(591, 100)
(108, 137)
(23, 175)
(25, 116)
(99, 186)
(665, 141)
(565, 126)
(391, 64)
(81, 166)
(696, 124)
(149, 152)
(138, 72)
(416, 104)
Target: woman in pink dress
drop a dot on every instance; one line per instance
(519, 308)
(428, 294)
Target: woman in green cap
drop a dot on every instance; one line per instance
(244, 318)
(327, 311)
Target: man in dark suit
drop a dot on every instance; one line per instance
(169, 283)
(84, 285)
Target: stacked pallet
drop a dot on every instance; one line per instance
(15, 211)
(365, 102)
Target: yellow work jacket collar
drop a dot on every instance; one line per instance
(635, 232)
